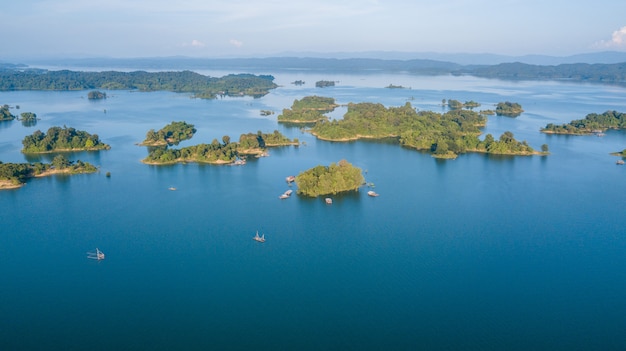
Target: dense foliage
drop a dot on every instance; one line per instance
(96, 95)
(27, 116)
(18, 173)
(171, 134)
(262, 140)
(308, 110)
(63, 139)
(445, 135)
(323, 180)
(5, 113)
(184, 81)
(592, 123)
(510, 109)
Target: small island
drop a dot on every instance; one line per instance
(96, 95)
(5, 114)
(333, 179)
(14, 175)
(593, 123)
(324, 83)
(171, 134)
(226, 152)
(308, 110)
(393, 86)
(298, 82)
(457, 105)
(509, 109)
(62, 139)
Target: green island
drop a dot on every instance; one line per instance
(324, 83)
(619, 153)
(62, 139)
(14, 175)
(219, 153)
(509, 109)
(96, 95)
(457, 105)
(593, 123)
(393, 86)
(333, 179)
(309, 109)
(181, 82)
(171, 134)
(444, 135)
(5, 113)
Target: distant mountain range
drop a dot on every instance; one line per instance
(602, 67)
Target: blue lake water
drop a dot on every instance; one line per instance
(477, 253)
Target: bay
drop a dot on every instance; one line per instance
(480, 252)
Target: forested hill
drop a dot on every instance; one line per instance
(183, 81)
(583, 72)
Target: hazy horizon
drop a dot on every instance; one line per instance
(208, 29)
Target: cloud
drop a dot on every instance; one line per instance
(194, 43)
(236, 43)
(618, 40)
(197, 43)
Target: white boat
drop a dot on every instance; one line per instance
(328, 200)
(258, 238)
(372, 193)
(97, 255)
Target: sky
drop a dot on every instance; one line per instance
(246, 28)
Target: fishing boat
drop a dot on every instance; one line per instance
(97, 255)
(372, 193)
(619, 162)
(258, 238)
(328, 200)
(290, 179)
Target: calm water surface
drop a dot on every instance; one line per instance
(477, 253)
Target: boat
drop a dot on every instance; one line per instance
(286, 194)
(328, 200)
(290, 179)
(171, 188)
(258, 238)
(619, 162)
(97, 255)
(239, 162)
(372, 193)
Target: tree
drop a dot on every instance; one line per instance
(544, 148)
(226, 139)
(60, 162)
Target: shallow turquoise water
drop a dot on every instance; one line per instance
(475, 253)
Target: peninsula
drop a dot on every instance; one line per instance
(61, 140)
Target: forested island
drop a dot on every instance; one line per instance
(509, 109)
(219, 153)
(62, 139)
(324, 83)
(457, 105)
(96, 95)
(181, 82)
(333, 179)
(444, 135)
(591, 124)
(14, 175)
(171, 134)
(5, 113)
(309, 109)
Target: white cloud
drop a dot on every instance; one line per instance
(236, 43)
(197, 43)
(618, 40)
